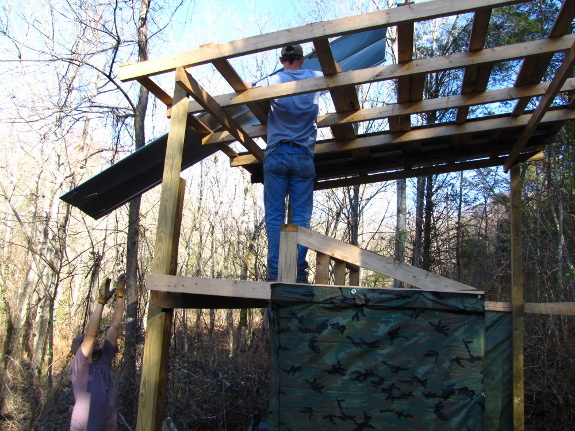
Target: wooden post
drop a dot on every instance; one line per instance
(354, 277)
(322, 268)
(156, 346)
(339, 273)
(287, 268)
(517, 300)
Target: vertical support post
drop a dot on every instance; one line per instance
(517, 300)
(287, 268)
(339, 273)
(322, 268)
(353, 277)
(158, 329)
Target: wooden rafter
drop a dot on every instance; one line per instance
(338, 27)
(260, 110)
(156, 90)
(344, 99)
(186, 81)
(382, 73)
(534, 67)
(393, 110)
(423, 133)
(544, 104)
(475, 78)
(404, 84)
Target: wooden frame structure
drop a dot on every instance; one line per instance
(402, 151)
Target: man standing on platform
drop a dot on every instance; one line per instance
(289, 168)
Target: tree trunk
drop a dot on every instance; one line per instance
(400, 225)
(427, 225)
(417, 241)
(132, 318)
(458, 228)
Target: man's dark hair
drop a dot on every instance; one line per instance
(290, 58)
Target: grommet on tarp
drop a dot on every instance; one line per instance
(353, 291)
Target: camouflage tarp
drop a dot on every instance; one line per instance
(384, 359)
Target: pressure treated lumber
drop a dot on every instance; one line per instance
(560, 76)
(325, 29)
(366, 259)
(156, 90)
(287, 265)
(417, 172)
(396, 109)
(534, 67)
(231, 76)
(382, 73)
(517, 301)
(194, 89)
(322, 268)
(187, 292)
(151, 406)
(550, 308)
(208, 286)
(345, 98)
(422, 134)
(475, 78)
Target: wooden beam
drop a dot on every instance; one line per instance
(208, 286)
(193, 301)
(153, 381)
(556, 308)
(195, 288)
(287, 265)
(322, 269)
(170, 183)
(517, 301)
(202, 128)
(156, 90)
(533, 68)
(191, 86)
(395, 109)
(560, 77)
(238, 85)
(411, 173)
(404, 84)
(344, 98)
(354, 277)
(339, 273)
(423, 133)
(260, 291)
(475, 78)
(382, 73)
(412, 108)
(550, 308)
(374, 262)
(325, 29)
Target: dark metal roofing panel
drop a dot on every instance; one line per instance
(143, 169)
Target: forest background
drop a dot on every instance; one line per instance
(65, 117)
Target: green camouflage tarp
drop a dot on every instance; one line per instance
(384, 359)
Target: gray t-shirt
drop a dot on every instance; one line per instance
(292, 118)
(94, 391)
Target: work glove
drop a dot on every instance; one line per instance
(121, 286)
(105, 292)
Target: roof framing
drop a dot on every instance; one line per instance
(402, 150)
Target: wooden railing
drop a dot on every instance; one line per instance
(347, 256)
(170, 291)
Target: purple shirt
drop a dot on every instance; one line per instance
(94, 391)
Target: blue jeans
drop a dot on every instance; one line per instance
(289, 169)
